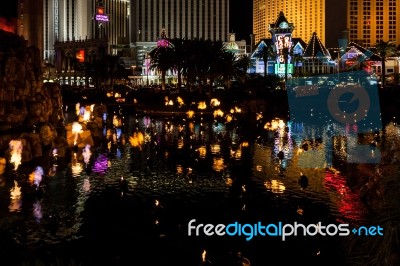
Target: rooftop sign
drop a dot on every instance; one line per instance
(101, 17)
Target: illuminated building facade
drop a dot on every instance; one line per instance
(370, 21)
(308, 16)
(207, 19)
(75, 20)
(286, 56)
(282, 47)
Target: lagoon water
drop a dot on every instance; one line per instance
(176, 170)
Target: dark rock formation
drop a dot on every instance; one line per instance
(24, 99)
(26, 103)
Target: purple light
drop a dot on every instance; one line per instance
(101, 164)
(102, 18)
(146, 121)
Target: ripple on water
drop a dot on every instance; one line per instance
(77, 202)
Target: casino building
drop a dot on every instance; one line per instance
(78, 31)
(286, 56)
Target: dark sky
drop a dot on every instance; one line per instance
(335, 16)
(8, 9)
(242, 21)
(241, 18)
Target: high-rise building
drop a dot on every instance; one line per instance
(30, 21)
(370, 21)
(308, 16)
(74, 20)
(207, 19)
(203, 19)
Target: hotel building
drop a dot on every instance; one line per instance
(207, 19)
(370, 21)
(308, 16)
(44, 22)
(203, 19)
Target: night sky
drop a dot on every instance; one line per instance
(241, 18)
(335, 21)
(8, 9)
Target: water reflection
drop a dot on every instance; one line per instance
(37, 211)
(16, 198)
(171, 169)
(275, 186)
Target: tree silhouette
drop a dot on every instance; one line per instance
(384, 50)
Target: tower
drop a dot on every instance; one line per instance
(30, 21)
(281, 32)
(308, 16)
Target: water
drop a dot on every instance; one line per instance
(181, 170)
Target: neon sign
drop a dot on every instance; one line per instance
(102, 18)
(283, 41)
(280, 68)
(100, 15)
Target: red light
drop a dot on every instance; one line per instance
(7, 25)
(80, 56)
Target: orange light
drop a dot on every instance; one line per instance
(80, 56)
(100, 11)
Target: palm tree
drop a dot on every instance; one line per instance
(161, 59)
(214, 60)
(189, 68)
(227, 68)
(114, 67)
(242, 64)
(202, 65)
(384, 50)
(267, 53)
(178, 46)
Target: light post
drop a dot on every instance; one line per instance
(147, 65)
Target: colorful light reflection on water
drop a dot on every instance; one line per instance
(181, 163)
